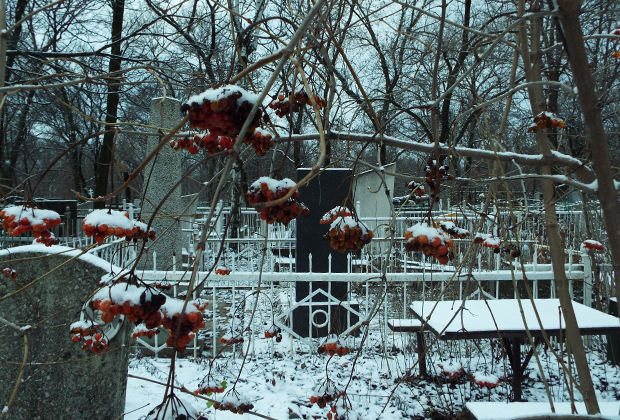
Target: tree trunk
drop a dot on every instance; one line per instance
(533, 72)
(105, 154)
(591, 109)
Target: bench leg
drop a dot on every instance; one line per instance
(421, 356)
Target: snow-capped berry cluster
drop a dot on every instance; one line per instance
(592, 244)
(211, 143)
(451, 369)
(294, 103)
(46, 238)
(326, 398)
(233, 404)
(266, 189)
(485, 381)
(86, 332)
(348, 233)
(488, 241)
(135, 303)
(545, 120)
(430, 241)
(18, 219)
(9, 273)
(222, 110)
(274, 331)
(162, 286)
(334, 213)
(417, 189)
(333, 346)
(142, 331)
(451, 229)
(104, 223)
(434, 176)
(229, 339)
(222, 271)
(260, 140)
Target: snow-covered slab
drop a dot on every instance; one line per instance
(521, 410)
(484, 319)
(405, 325)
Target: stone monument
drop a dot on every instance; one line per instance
(160, 176)
(322, 194)
(60, 381)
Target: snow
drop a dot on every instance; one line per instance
(110, 218)
(273, 184)
(505, 313)
(34, 216)
(223, 92)
(69, 252)
(516, 410)
(451, 368)
(341, 222)
(481, 377)
(84, 325)
(426, 230)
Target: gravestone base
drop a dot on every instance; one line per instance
(60, 380)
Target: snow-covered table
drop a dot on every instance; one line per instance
(516, 410)
(453, 320)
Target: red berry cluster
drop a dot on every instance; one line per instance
(9, 273)
(348, 233)
(417, 189)
(229, 340)
(89, 335)
(332, 414)
(429, 241)
(488, 241)
(17, 220)
(200, 304)
(326, 398)
(222, 111)
(294, 103)
(190, 323)
(333, 347)
(46, 238)
(162, 286)
(450, 370)
(592, 244)
(104, 223)
(260, 140)
(434, 175)
(545, 120)
(266, 189)
(240, 408)
(274, 331)
(335, 213)
(209, 390)
(211, 143)
(512, 250)
(145, 332)
(484, 383)
(147, 310)
(451, 229)
(222, 270)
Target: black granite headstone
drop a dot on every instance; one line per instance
(322, 194)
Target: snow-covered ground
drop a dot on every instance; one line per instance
(279, 383)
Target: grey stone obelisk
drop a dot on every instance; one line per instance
(160, 176)
(59, 381)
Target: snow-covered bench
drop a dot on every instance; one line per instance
(411, 326)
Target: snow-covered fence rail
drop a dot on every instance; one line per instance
(399, 289)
